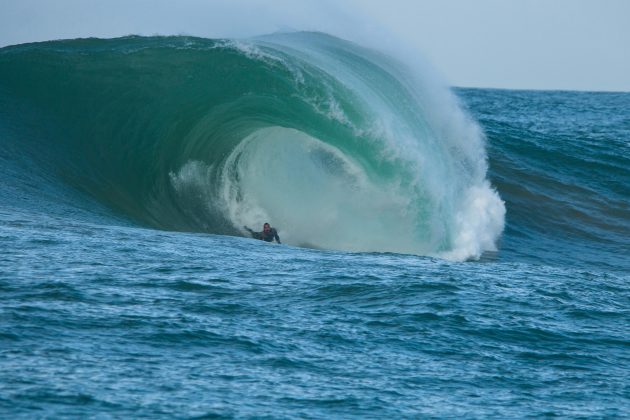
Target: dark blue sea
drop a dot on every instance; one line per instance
(445, 252)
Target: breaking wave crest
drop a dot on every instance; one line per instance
(338, 146)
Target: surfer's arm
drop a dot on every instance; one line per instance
(255, 235)
(275, 235)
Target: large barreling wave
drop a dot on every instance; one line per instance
(339, 146)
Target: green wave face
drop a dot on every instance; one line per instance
(338, 146)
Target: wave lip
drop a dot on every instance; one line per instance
(339, 146)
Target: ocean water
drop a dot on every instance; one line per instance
(445, 252)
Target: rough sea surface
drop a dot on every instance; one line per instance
(127, 292)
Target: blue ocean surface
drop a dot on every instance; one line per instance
(446, 253)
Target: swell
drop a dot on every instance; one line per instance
(561, 162)
(339, 146)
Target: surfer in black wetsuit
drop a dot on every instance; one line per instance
(268, 233)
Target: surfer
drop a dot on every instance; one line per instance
(268, 233)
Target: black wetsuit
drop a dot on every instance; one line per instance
(270, 236)
(265, 236)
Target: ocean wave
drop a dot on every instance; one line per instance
(339, 146)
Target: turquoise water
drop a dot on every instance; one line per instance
(448, 253)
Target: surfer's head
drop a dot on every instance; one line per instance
(266, 227)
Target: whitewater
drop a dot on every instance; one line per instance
(446, 252)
